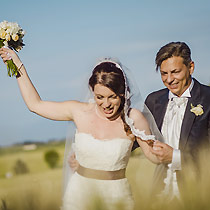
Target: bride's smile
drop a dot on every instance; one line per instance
(107, 101)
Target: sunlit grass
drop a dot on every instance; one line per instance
(33, 159)
(33, 191)
(38, 189)
(42, 190)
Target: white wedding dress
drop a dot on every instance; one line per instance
(107, 155)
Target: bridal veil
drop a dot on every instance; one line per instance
(133, 100)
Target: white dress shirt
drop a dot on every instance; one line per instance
(171, 130)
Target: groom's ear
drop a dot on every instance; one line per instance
(191, 67)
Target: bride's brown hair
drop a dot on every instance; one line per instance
(109, 75)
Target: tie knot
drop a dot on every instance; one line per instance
(179, 101)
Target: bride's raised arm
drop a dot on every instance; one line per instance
(48, 109)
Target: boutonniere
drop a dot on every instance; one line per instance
(197, 110)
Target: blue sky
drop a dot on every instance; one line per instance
(64, 38)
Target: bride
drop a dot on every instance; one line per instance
(106, 129)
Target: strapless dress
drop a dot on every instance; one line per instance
(107, 155)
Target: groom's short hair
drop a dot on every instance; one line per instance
(179, 49)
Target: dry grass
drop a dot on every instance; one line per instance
(42, 191)
(33, 191)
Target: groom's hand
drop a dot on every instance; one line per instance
(73, 163)
(163, 152)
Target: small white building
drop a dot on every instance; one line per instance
(29, 147)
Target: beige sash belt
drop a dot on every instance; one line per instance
(100, 174)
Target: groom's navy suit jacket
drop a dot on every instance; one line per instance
(195, 130)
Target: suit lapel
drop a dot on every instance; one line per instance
(189, 117)
(160, 109)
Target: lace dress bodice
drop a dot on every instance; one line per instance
(108, 155)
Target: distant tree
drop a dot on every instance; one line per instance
(51, 157)
(20, 167)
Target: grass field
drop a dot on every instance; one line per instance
(42, 186)
(33, 159)
(40, 189)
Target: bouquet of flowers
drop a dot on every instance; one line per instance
(11, 35)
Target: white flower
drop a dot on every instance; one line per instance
(197, 110)
(4, 24)
(5, 43)
(15, 37)
(22, 32)
(15, 29)
(3, 34)
(9, 31)
(10, 28)
(7, 37)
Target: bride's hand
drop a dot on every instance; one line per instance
(8, 54)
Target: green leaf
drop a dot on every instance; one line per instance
(11, 68)
(1, 43)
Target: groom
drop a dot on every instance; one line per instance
(182, 114)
